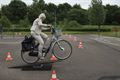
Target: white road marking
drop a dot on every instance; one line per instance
(10, 42)
(105, 41)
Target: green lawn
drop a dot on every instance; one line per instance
(110, 33)
(113, 34)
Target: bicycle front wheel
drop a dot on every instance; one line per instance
(62, 49)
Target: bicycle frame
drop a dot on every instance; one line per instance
(52, 42)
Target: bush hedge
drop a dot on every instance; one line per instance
(17, 30)
(87, 30)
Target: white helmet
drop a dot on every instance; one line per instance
(42, 16)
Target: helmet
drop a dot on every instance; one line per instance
(42, 16)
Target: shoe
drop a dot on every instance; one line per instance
(41, 56)
(43, 50)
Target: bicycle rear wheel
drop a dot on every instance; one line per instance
(62, 49)
(27, 58)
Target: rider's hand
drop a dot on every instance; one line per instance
(49, 25)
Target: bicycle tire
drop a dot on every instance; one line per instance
(56, 54)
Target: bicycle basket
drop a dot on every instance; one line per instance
(58, 32)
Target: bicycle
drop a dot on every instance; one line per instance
(60, 48)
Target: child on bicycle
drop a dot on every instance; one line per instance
(36, 32)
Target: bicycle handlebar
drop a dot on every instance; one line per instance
(52, 30)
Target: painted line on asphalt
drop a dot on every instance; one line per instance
(106, 41)
(10, 42)
(114, 38)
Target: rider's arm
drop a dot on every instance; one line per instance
(41, 24)
(44, 26)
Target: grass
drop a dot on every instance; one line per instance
(110, 33)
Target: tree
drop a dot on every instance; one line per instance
(117, 17)
(51, 12)
(15, 11)
(35, 2)
(78, 15)
(76, 6)
(97, 13)
(24, 23)
(73, 24)
(51, 8)
(5, 22)
(112, 14)
(5, 10)
(63, 24)
(0, 13)
(35, 9)
(62, 11)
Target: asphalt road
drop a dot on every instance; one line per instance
(98, 60)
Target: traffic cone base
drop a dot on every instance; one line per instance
(9, 57)
(53, 58)
(80, 45)
(54, 77)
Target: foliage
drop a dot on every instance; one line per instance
(112, 16)
(96, 12)
(62, 11)
(63, 24)
(78, 15)
(65, 15)
(5, 22)
(73, 24)
(35, 9)
(24, 23)
(0, 13)
(15, 11)
(76, 6)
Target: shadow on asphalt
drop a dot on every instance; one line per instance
(110, 78)
(34, 67)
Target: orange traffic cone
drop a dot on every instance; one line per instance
(53, 58)
(80, 45)
(9, 57)
(54, 77)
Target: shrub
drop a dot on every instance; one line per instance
(73, 24)
(24, 23)
(63, 24)
(69, 24)
(5, 22)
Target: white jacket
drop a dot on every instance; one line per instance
(38, 25)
